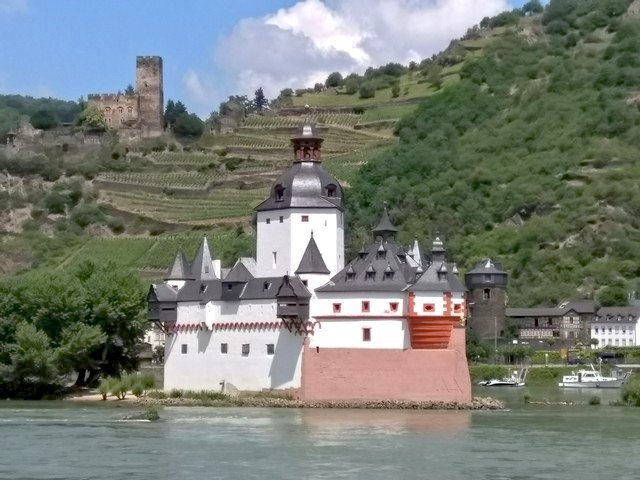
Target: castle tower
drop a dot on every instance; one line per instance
(304, 199)
(487, 284)
(149, 87)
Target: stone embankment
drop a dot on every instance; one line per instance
(487, 403)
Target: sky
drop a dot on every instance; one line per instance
(215, 48)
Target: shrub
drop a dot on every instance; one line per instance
(367, 90)
(116, 224)
(152, 413)
(137, 389)
(159, 394)
(148, 382)
(175, 393)
(631, 392)
(105, 387)
(395, 91)
(526, 398)
(87, 214)
(594, 400)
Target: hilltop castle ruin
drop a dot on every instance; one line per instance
(142, 112)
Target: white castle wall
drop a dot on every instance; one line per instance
(348, 333)
(203, 366)
(289, 239)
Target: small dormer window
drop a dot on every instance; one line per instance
(388, 275)
(331, 190)
(229, 287)
(351, 276)
(265, 286)
(279, 193)
(381, 254)
(370, 276)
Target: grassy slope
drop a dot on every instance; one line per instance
(531, 159)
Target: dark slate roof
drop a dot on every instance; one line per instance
(438, 277)
(384, 225)
(239, 273)
(218, 290)
(535, 312)
(378, 262)
(305, 186)
(202, 265)
(292, 287)
(487, 266)
(312, 261)
(617, 315)
(307, 131)
(179, 269)
(581, 306)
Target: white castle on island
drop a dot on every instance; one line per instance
(388, 325)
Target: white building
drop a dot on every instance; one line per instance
(388, 325)
(616, 327)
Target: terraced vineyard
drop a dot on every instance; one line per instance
(340, 119)
(219, 206)
(188, 180)
(184, 159)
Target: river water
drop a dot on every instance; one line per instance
(69, 440)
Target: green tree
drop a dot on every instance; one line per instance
(434, 76)
(395, 90)
(334, 80)
(614, 295)
(92, 119)
(173, 111)
(32, 360)
(129, 91)
(188, 125)
(78, 347)
(44, 120)
(260, 101)
(532, 7)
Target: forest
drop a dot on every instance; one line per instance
(530, 159)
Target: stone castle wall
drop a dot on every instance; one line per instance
(144, 110)
(348, 374)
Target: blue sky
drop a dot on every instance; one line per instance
(213, 48)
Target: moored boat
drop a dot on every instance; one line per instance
(590, 378)
(514, 380)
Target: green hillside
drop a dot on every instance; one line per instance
(531, 158)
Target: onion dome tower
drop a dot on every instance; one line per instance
(303, 199)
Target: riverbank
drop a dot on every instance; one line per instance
(485, 403)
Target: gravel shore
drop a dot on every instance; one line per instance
(486, 403)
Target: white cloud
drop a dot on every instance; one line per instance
(298, 46)
(13, 6)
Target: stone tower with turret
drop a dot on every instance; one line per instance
(149, 87)
(487, 284)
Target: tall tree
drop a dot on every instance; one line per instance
(260, 101)
(173, 111)
(129, 90)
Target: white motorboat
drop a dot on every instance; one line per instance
(514, 380)
(592, 378)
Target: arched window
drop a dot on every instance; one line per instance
(307, 152)
(279, 193)
(107, 110)
(120, 109)
(331, 190)
(130, 110)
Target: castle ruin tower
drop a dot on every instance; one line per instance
(305, 201)
(150, 90)
(487, 284)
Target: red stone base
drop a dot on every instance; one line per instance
(382, 374)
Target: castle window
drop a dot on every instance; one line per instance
(183, 349)
(428, 307)
(381, 254)
(351, 276)
(370, 276)
(307, 152)
(246, 348)
(535, 322)
(120, 109)
(271, 348)
(305, 218)
(224, 348)
(107, 110)
(457, 308)
(549, 321)
(337, 307)
(305, 283)
(366, 334)
(393, 306)
(365, 307)
(130, 110)
(266, 286)
(275, 259)
(388, 275)
(206, 269)
(268, 221)
(331, 190)
(487, 294)
(108, 120)
(281, 219)
(279, 193)
(487, 277)
(229, 287)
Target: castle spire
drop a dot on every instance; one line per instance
(202, 265)
(437, 249)
(385, 228)
(307, 143)
(179, 269)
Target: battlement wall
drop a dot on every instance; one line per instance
(112, 97)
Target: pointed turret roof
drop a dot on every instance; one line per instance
(239, 273)
(415, 254)
(202, 265)
(384, 225)
(312, 261)
(179, 269)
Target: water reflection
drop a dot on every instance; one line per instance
(388, 421)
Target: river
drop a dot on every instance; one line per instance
(73, 440)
